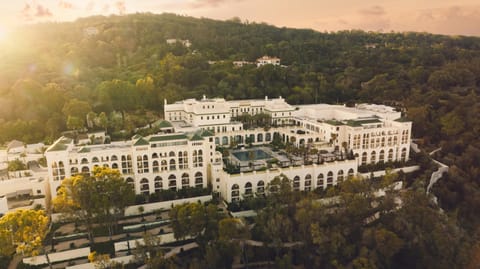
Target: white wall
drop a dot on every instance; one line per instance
(58, 256)
(151, 207)
(3, 205)
(228, 180)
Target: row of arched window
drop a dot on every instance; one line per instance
(322, 182)
(259, 138)
(368, 142)
(172, 183)
(143, 164)
(381, 156)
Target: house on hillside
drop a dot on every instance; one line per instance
(268, 60)
(186, 42)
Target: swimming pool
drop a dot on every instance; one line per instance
(258, 154)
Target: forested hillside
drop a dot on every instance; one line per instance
(114, 72)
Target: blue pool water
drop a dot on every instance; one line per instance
(258, 155)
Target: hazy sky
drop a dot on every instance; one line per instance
(461, 17)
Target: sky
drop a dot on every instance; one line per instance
(460, 17)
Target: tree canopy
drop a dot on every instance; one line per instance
(100, 198)
(23, 231)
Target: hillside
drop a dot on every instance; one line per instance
(108, 72)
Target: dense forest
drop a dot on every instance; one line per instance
(113, 73)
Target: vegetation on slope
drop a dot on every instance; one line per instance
(57, 77)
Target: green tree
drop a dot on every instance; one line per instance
(150, 253)
(88, 199)
(16, 165)
(75, 123)
(76, 108)
(102, 121)
(23, 231)
(188, 220)
(452, 124)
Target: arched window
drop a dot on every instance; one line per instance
(340, 176)
(145, 163)
(171, 154)
(403, 155)
(73, 171)
(329, 179)
(144, 186)
(198, 180)
(185, 160)
(268, 137)
(164, 165)
(296, 183)
(364, 158)
(172, 165)
(185, 181)
(260, 187)
(308, 182)
(373, 157)
(84, 161)
(248, 189)
(155, 167)
(320, 183)
(381, 157)
(131, 183)
(158, 184)
(95, 160)
(61, 170)
(200, 158)
(114, 158)
(390, 155)
(115, 166)
(85, 170)
(260, 138)
(154, 156)
(180, 160)
(350, 173)
(172, 182)
(195, 158)
(126, 164)
(235, 193)
(139, 164)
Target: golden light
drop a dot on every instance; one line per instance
(3, 33)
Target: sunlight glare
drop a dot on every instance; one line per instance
(3, 33)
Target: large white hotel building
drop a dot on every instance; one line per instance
(184, 153)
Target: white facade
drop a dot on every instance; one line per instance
(20, 184)
(374, 133)
(234, 187)
(268, 60)
(186, 156)
(149, 164)
(216, 114)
